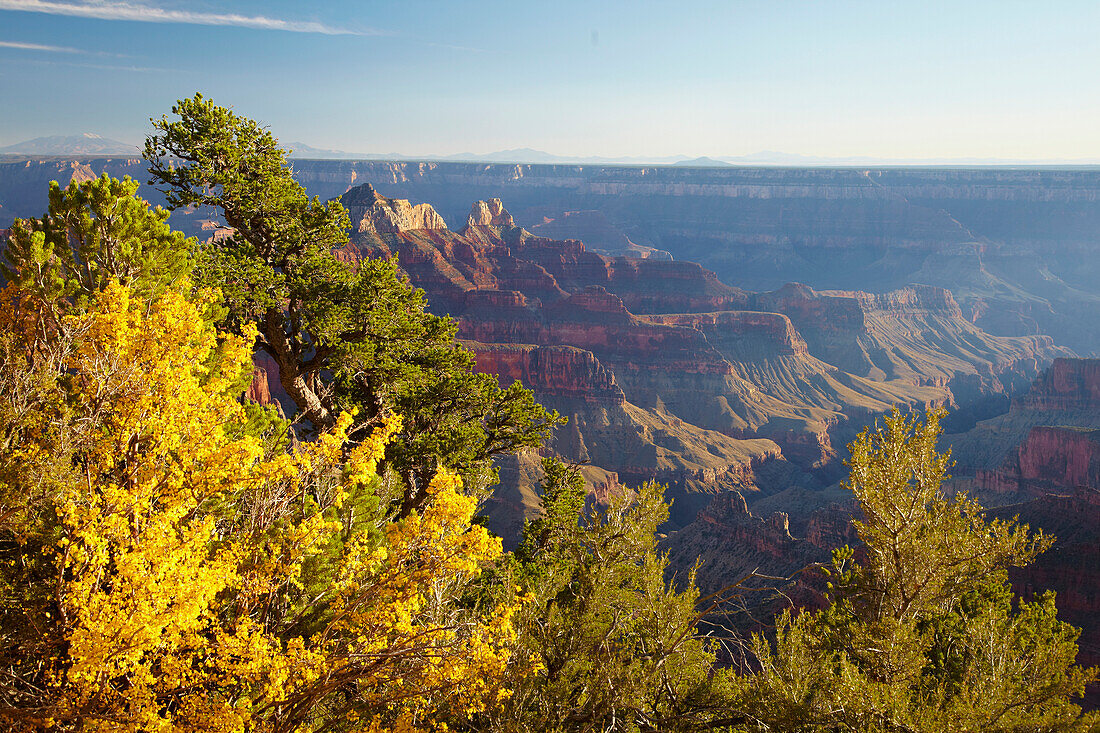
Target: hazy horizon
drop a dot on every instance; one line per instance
(529, 156)
(918, 82)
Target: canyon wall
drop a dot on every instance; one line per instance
(1015, 246)
(668, 373)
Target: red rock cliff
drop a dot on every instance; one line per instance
(552, 371)
(1050, 459)
(1069, 384)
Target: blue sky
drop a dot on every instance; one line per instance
(997, 79)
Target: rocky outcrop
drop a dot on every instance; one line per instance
(660, 286)
(636, 443)
(1050, 460)
(756, 333)
(258, 390)
(728, 542)
(598, 321)
(1063, 456)
(265, 387)
(1056, 416)
(490, 213)
(372, 213)
(558, 372)
(1068, 385)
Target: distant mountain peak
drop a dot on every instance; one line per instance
(85, 143)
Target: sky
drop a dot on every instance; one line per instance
(891, 79)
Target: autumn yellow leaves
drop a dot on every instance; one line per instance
(171, 599)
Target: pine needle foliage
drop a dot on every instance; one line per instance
(614, 645)
(922, 631)
(345, 337)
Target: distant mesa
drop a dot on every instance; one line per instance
(703, 162)
(84, 144)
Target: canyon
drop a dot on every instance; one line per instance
(728, 331)
(667, 373)
(1013, 245)
(741, 402)
(1001, 257)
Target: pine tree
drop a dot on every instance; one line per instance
(922, 631)
(615, 646)
(345, 337)
(94, 232)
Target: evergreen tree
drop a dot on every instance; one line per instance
(922, 632)
(345, 337)
(94, 232)
(614, 645)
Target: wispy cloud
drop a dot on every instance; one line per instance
(24, 46)
(453, 47)
(38, 47)
(152, 14)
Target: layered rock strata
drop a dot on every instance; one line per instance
(701, 367)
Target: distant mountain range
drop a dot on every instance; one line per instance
(91, 144)
(84, 144)
(515, 155)
(764, 157)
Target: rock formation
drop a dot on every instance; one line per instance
(672, 374)
(727, 543)
(490, 213)
(371, 213)
(1068, 385)
(1066, 395)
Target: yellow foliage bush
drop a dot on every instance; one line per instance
(172, 561)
